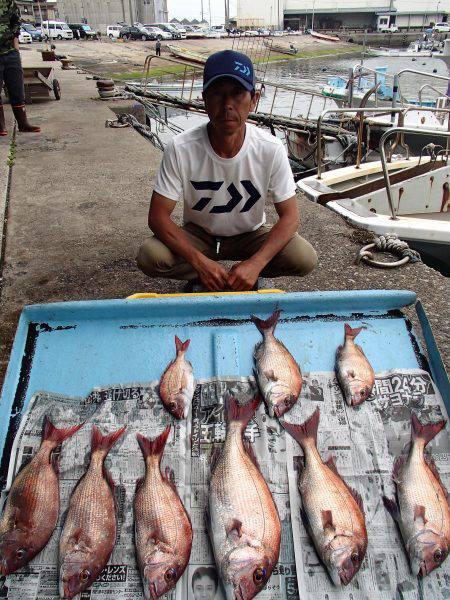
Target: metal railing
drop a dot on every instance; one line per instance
(399, 131)
(191, 72)
(397, 76)
(431, 87)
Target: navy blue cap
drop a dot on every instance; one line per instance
(229, 63)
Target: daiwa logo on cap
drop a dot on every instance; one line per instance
(229, 63)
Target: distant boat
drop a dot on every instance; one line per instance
(280, 48)
(186, 54)
(324, 36)
(415, 50)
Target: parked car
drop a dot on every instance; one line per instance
(25, 37)
(176, 35)
(130, 32)
(390, 29)
(84, 31)
(159, 33)
(56, 30)
(36, 34)
(180, 28)
(195, 32)
(442, 27)
(112, 31)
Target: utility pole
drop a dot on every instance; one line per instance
(209, 7)
(391, 3)
(202, 9)
(227, 12)
(312, 18)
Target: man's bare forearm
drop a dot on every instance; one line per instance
(279, 236)
(174, 237)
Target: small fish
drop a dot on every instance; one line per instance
(90, 528)
(421, 507)
(332, 512)
(243, 521)
(32, 508)
(353, 370)
(177, 385)
(163, 531)
(278, 375)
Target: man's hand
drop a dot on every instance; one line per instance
(212, 275)
(243, 275)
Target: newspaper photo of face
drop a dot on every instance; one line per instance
(204, 583)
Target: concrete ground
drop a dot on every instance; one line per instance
(78, 211)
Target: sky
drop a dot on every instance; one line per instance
(193, 9)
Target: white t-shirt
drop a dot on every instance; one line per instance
(225, 196)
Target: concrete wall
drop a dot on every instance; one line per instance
(414, 6)
(262, 13)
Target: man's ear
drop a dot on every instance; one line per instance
(254, 101)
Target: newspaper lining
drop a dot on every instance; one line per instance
(365, 442)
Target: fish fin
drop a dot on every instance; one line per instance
(327, 520)
(425, 431)
(153, 447)
(268, 324)
(351, 332)
(432, 466)
(331, 464)
(356, 497)
(234, 525)
(351, 374)
(250, 451)
(305, 520)
(398, 464)
(419, 514)
(240, 412)
(170, 478)
(181, 346)
(139, 482)
(80, 538)
(392, 508)
(307, 430)
(57, 436)
(55, 461)
(208, 521)
(107, 475)
(104, 443)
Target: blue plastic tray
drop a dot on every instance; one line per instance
(72, 347)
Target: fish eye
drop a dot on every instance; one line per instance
(20, 553)
(170, 575)
(438, 555)
(84, 575)
(355, 557)
(259, 575)
(362, 391)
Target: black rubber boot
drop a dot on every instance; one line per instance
(3, 131)
(22, 121)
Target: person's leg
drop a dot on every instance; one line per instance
(13, 79)
(3, 131)
(298, 257)
(155, 259)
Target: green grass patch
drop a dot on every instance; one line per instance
(156, 72)
(11, 154)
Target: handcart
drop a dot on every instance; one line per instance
(40, 82)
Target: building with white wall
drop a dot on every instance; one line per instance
(333, 14)
(100, 13)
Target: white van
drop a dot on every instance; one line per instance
(56, 30)
(112, 31)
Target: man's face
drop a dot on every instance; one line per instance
(204, 588)
(228, 104)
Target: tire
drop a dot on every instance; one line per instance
(144, 38)
(159, 37)
(125, 38)
(59, 37)
(111, 37)
(57, 89)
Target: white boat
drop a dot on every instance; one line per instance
(420, 195)
(412, 52)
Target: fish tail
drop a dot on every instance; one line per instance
(55, 435)
(351, 332)
(104, 443)
(425, 432)
(305, 431)
(153, 447)
(267, 325)
(181, 346)
(240, 412)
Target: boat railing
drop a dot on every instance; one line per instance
(397, 76)
(399, 131)
(190, 74)
(360, 113)
(428, 86)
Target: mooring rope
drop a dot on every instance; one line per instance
(388, 243)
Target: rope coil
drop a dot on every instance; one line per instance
(388, 243)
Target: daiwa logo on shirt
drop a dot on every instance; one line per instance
(235, 196)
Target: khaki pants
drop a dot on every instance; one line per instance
(155, 259)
